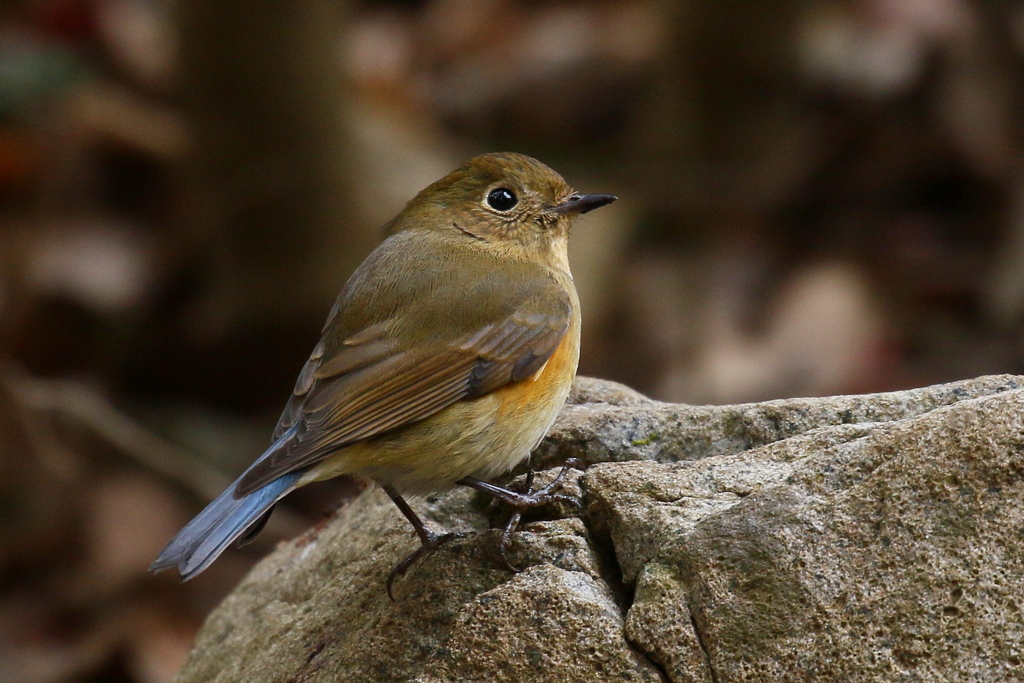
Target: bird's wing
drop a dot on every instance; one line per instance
(404, 367)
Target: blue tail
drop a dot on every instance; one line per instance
(224, 520)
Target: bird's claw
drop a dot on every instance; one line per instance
(506, 541)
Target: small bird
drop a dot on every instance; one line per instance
(444, 361)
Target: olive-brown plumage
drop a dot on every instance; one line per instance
(445, 359)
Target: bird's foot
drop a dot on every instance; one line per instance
(521, 502)
(531, 499)
(430, 543)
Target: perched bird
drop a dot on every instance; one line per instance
(444, 361)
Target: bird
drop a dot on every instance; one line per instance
(444, 360)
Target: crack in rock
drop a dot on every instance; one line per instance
(703, 648)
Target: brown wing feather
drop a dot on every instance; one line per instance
(316, 368)
(367, 389)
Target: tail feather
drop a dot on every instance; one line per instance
(225, 519)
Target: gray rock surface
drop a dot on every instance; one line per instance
(854, 538)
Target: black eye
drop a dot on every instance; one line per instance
(501, 199)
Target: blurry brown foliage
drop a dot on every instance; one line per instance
(819, 196)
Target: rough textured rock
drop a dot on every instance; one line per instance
(859, 538)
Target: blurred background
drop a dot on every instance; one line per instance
(818, 197)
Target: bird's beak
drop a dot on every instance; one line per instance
(581, 203)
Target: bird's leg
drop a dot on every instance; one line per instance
(429, 541)
(520, 502)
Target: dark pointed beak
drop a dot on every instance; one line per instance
(581, 203)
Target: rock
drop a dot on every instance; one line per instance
(605, 421)
(881, 553)
(870, 538)
(507, 634)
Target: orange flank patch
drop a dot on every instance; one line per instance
(540, 389)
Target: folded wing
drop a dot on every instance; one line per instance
(385, 375)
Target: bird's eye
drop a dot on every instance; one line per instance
(501, 199)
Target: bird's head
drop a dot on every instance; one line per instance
(509, 200)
